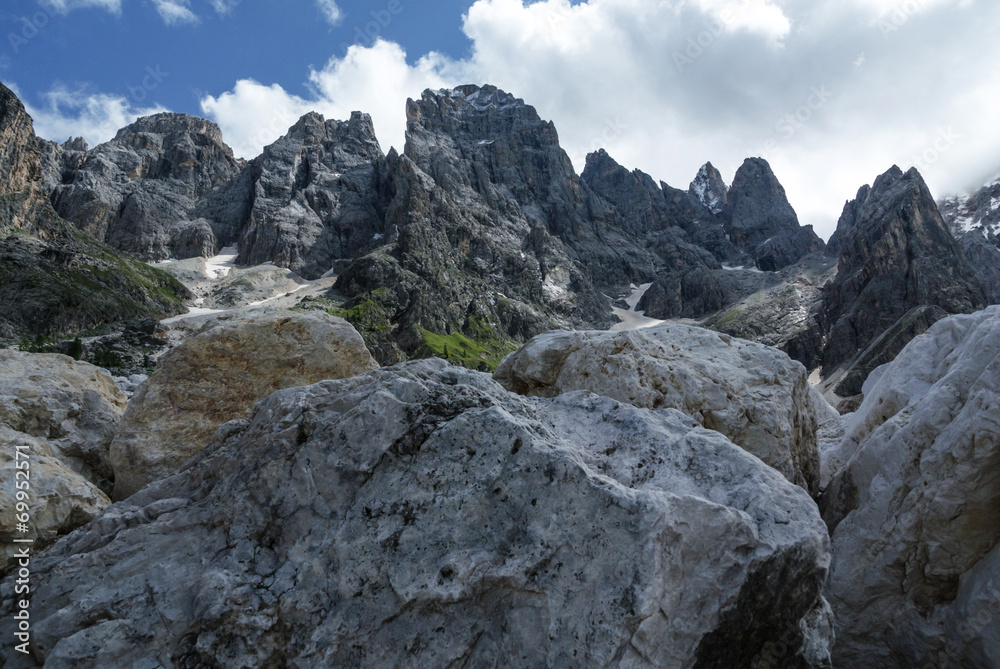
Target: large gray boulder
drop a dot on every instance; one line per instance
(421, 516)
(73, 406)
(57, 418)
(753, 394)
(217, 375)
(914, 509)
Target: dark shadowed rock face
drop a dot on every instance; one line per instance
(489, 235)
(317, 196)
(165, 186)
(974, 220)
(762, 222)
(55, 279)
(896, 254)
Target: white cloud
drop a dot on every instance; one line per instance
(96, 117)
(665, 86)
(65, 6)
(330, 10)
(375, 80)
(175, 12)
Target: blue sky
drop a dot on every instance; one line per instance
(268, 40)
(831, 92)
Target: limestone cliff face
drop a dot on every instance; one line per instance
(895, 254)
(318, 196)
(22, 199)
(166, 186)
(762, 222)
(56, 279)
(975, 221)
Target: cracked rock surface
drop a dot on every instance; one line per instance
(753, 394)
(914, 506)
(422, 516)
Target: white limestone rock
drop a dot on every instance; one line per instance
(915, 511)
(753, 394)
(73, 407)
(57, 417)
(237, 359)
(422, 516)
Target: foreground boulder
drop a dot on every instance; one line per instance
(420, 515)
(915, 511)
(72, 406)
(218, 375)
(753, 394)
(58, 416)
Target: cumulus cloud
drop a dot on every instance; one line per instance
(96, 117)
(330, 10)
(376, 80)
(665, 86)
(175, 12)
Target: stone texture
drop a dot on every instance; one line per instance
(59, 499)
(913, 506)
(783, 309)
(72, 406)
(753, 394)
(896, 254)
(762, 222)
(318, 196)
(60, 415)
(217, 375)
(166, 186)
(423, 516)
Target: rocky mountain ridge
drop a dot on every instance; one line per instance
(57, 279)
(480, 235)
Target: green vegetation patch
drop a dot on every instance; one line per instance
(458, 349)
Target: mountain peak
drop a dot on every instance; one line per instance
(709, 188)
(169, 123)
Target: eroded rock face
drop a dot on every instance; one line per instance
(895, 254)
(55, 279)
(166, 186)
(489, 233)
(318, 196)
(762, 222)
(913, 506)
(218, 375)
(753, 394)
(423, 516)
(58, 416)
(709, 188)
